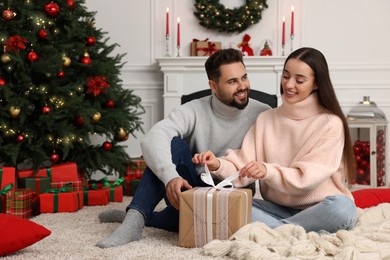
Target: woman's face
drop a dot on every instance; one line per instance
(297, 81)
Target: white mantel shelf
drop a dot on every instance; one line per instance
(185, 75)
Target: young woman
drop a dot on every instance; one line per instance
(300, 152)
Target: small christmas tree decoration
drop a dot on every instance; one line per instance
(20, 138)
(245, 46)
(91, 40)
(107, 146)
(66, 60)
(42, 34)
(86, 59)
(46, 110)
(32, 56)
(52, 10)
(54, 157)
(79, 121)
(5, 58)
(61, 74)
(14, 111)
(2, 81)
(8, 14)
(266, 51)
(96, 117)
(121, 134)
(110, 103)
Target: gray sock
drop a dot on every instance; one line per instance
(129, 231)
(114, 215)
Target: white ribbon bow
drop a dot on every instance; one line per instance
(206, 177)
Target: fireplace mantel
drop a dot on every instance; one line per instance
(185, 75)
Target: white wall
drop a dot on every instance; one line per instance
(353, 35)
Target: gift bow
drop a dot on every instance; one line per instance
(3, 192)
(196, 40)
(208, 50)
(103, 181)
(226, 183)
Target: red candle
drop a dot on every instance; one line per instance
(178, 31)
(292, 20)
(283, 30)
(167, 23)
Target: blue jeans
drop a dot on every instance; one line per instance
(151, 190)
(332, 214)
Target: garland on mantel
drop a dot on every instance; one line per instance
(214, 15)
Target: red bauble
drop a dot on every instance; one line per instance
(360, 172)
(381, 132)
(110, 103)
(54, 157)
(79, 121)
(32, 56)
(20, 138)
(46, 110)
(86, 60)
(91, 40)
(356, 149)
(71, 3)
(107, 146)
(2, 81)
(52, 10)
(42, 34)
(8, 15)
(61, 74)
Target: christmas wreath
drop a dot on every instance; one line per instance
(214, 15)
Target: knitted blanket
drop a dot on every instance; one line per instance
(370, 239)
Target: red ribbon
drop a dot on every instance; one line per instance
(208, 50)
(196, 40)
(37, 185)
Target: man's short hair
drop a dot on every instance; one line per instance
(221, 57)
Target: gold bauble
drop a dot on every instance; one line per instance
(5, 58)
(121, 134)
(67, 61)
(14, 111)
(96, 117)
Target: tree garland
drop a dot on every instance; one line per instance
(214, 15)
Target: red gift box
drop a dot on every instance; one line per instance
(73, 185)
(95, 198)
(115, 190)
(70, 201)
(136, 167)
(19, 202)
(7, 176)
(3, 192)
(59, 173)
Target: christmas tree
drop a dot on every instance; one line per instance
(60, 85)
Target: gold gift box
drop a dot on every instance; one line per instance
(204, 48)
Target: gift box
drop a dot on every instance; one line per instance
(37, 184)
(115, 190)
(130, 184)
(3, 193)
(61, 201)
(72, 185)
(19, 202)
(136, 168)
(204, 48)
(231, 210)
(7, 176)
(58, 173)
(95, 197)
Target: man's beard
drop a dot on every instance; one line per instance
(240, 106)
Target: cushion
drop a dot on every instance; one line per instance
(18, 233)
(371, 197)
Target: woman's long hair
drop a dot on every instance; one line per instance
(327, 98)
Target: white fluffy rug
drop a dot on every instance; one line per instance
(75, 234)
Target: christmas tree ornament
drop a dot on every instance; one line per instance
(2, 81)
(121, 134)
(97, 84)
(52, 10)
(54, 157)
(16, 43)
(8, 14)
(20, 138)
(107, 146)
(32, 56)
(66, 60)
(14, 111)
(86, 59)
(5, 58)
(266, 51)
(110, 103)
(91, 40)
(79, 121)
(96, 117)
(46, 110)
(246, 49)
(42, 34)
(61, 74)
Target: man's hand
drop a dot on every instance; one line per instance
(174, 188)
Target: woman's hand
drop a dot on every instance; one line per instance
(208, 158)
(253, 170)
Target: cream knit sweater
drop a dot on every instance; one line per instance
(301, 146)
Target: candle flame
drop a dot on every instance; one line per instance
(292, 8)
(167, 9)
(178, 19)
(283, 19)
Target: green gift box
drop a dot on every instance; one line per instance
(38, 185)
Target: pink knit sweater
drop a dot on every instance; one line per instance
(301, 146)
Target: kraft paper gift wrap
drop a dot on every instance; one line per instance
(231, 210)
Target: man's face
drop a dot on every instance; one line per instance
(233, 86)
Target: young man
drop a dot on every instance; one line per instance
(215, 123)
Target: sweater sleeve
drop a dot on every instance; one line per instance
(309, 170)
(156, 145)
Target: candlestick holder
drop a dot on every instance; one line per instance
(178, 50)
(292, 42)
(167, 54)
(283, 49)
